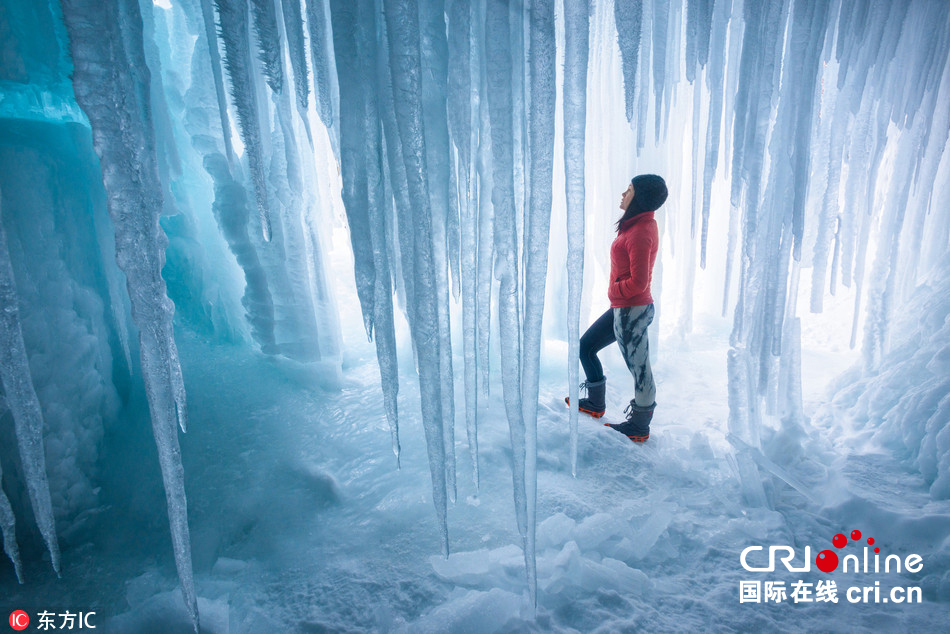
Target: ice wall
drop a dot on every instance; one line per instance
(803, 141)
(905, 402)
(60, 294)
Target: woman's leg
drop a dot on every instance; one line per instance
(630, 329)
(598, 336)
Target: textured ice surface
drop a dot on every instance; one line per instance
(826, 126)
(645, 536)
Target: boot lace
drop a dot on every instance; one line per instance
(629, 410)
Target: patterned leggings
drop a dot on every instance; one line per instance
(628, 327)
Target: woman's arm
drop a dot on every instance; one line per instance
(638, 250)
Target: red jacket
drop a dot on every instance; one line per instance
(632, 255)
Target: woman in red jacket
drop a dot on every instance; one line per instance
(632, 255)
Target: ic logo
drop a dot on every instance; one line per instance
(19, 620)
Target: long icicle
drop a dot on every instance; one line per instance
(207, 16)
(237, 60)
(104, 38)
(537, 236)
(576, 44)
(27, 417)
(8, 529)
(498, 59)
(402, 23)
(461, 120)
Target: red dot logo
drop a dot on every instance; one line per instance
(826, 560)
(19, 620)
(870, 541)
(840, 541)
(855, 535)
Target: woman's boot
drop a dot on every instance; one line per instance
(637, 425)
(596, 403)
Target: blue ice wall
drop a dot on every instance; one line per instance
(57, 232)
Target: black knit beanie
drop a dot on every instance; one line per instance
(649, 191)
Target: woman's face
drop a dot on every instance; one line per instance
(626, 197)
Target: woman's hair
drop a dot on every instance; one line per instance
(649, 194)
(632, 210)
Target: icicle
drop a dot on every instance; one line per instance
(692, 34)
(576, 37)
(537, 233)
(486, 211)
(452, 236)
(807, 33)
(858, 155)
(715, 82)
(402, 24)
(782, 212)
(207, 15)
(661, 25)
(27, 417)
(499, 67)
(8, 528)
(698, 30)
(293, 29)
(835, 256)
(434, 79)
(733, 56)
(829, 209)
(731, 242)
(384, 327)
(320, 60)
(644, 88)
(350, 53)
(694, 175)
(397, 172)
(757, 81)
(268, 40)
(869, 178)
(671, 74)
(628, 16)
(389, 203)
(237, 60)
(859, 278)
(462, 123)
(361, 161)
(519, 141)
(104, 38)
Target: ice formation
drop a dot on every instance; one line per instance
(796, 134)
(576, 50)
(117, 106)
(25, 408)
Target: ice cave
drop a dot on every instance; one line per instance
(292, 295)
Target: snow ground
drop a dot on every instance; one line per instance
(301, 523)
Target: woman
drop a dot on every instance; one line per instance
(632, 255)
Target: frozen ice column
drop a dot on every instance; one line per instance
(104, 38)
(27, 417)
